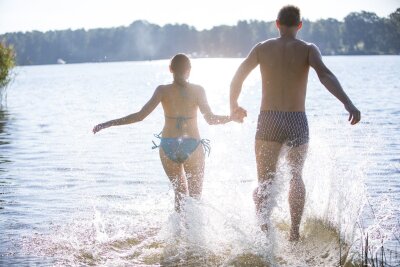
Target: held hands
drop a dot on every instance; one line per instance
(238, 114)
(354, 113)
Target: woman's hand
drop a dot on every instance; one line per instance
(100, 127)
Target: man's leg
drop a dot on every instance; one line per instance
(267, 155)
(297, 192)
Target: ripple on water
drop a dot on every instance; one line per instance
(79, 199)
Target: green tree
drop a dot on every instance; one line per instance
(394, 24)
(363, 32)
(326, 33)
(6, 64)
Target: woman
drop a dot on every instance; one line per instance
(182, 152)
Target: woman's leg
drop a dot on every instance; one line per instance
(194, 169)
(175, 174)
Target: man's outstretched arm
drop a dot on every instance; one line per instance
(250, 62)
(329, 80)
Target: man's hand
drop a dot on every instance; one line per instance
(354, 113)
(238, 114)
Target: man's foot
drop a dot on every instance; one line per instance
(294, 235)
(257, 201)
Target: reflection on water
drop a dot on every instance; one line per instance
(71, 198)
(6, 183)
(4, 143)
(4, 139)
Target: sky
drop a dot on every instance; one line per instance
(44, 15)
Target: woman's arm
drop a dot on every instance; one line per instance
(205, 109)
(213, 119)
(135, 117)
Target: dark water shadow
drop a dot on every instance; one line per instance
(5, 180)
(5, 142)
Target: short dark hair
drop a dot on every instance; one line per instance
(289, 16)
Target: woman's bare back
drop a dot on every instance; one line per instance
(180, 106)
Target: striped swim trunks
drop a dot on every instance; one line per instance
(290, 128)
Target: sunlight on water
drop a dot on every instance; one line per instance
(71, 198)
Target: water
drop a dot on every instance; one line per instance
(70, 198)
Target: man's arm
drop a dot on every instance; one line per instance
(250, 62)
(329, 80)
(134, 117)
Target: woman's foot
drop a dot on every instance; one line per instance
(264, 227)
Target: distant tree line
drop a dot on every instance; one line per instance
(359, 33)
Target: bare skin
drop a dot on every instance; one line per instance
(177, 101)
(284, 64)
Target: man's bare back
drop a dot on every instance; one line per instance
(284, 64)
(284, 67)
(284, 71)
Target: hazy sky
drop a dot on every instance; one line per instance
(43, 15)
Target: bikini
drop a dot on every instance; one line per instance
(178, 149)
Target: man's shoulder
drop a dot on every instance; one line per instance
(274, 41)
(311, 47)
(268, 41)
(305, 43)
(266, 44)
(163, 87)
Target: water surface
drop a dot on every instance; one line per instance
(68, 197)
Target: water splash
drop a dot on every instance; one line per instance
(105, 200)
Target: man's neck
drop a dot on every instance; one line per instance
(288, 34)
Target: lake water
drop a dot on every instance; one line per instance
(68, 197)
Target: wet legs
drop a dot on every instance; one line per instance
(296, 157)
(267, 155)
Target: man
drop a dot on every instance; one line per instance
(284, 63)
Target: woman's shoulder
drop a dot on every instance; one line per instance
(196, 87)
(162, 87)
(196, 90)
